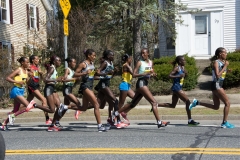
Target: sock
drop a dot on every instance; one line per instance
(224, 122)
(189, 120)
(197, 103)
(56, 122)
(116, 113)
(35, 105)
(47, 118)
(118, 118)
(65, 107)
(99, 125)
(159, 122)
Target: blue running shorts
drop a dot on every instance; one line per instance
(16, 91)
(124, 86)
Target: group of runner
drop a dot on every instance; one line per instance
(28, 76)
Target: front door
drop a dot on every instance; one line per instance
(202, 34)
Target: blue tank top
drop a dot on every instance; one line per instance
(178, 79)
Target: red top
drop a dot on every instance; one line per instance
(35, 76)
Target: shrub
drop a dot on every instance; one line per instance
(232, 78)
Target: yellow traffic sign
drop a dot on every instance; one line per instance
(65, 6)
(65, 27)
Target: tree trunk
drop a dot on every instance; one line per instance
(136, 31)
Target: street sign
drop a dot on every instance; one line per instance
(65, 6)
(65, 27)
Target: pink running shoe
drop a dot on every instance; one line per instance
(30, 106)
(124, 116)
(77, 113)
(53, 129)
(49, 121)
(121, 125)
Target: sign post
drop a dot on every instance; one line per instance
(65, 6)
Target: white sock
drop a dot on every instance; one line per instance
(65, 107)
(99, 125)
(116, 113)
(159, 122)
(189, 120)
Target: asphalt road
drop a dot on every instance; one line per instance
(141, 140)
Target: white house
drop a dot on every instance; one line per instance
(215, 24)
(22, 25)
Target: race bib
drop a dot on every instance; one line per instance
(181, 81)
(224, 75)
(91, 74)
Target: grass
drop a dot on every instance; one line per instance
(138, 112)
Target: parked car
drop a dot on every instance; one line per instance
(2, 148)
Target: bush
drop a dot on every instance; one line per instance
(163, 67)
(232, 78)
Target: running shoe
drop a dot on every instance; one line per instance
(53, 129)
(163, 124)
(57, 124)
(11, 118)
(3, 127)
(108, 126)
(61, 109)
(49, 121)
(193, 104)
(125, 119)
(77, 112)
(121, 125)
(124, 116)
(227, 125)
(110, 122)
(102, 129)
(30, 106)
(193, 123)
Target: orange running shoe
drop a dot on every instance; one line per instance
(121, 125)
(77, 113)
(49, 121)
(30, 106)
(53, 129)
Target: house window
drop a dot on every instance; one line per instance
(201, 24)
(6, 15)
(3, 10)
(32, 16)
(170, 43)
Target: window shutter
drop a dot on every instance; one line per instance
(11, 11)
(37, 18)
(27, 8)
(12, 53)
(0, 14)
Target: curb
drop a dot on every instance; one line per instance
(133, 117)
